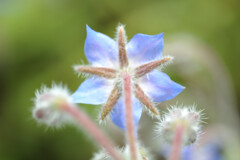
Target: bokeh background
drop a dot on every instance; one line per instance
(40, 40)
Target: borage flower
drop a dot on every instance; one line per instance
(110, 60)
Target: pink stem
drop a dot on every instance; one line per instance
(92, 129)
(129, 115)
(177, 143)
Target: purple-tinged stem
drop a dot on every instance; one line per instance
(127, 89)
(177, 143)
(92, 129)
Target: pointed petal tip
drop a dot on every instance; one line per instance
(161, 35)
(87, 27)
(178, 87)
(100, 49)
(181, 87)
(161, 88)
(178, 90)
(89, 30)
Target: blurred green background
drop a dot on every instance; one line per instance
(41, 39)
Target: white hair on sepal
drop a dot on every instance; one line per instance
(81, 74)
(162, 67)
(81, 63)
(150, 113)
(84, 75)
(101, 155)
(106, 119)
(124, 33)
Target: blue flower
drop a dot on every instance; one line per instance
(140, 58)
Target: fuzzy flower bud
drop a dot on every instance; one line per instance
(48, 103)
(185, 118)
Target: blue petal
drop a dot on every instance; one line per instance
(187, 153)
(92, 91)
(100, 49)
(118, 113)
(143, 48)
(159, 87)
(213, 151)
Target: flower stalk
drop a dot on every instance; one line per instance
(129, 115)
(177, 143)
(92, 129)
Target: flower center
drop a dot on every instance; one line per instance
(125, 70)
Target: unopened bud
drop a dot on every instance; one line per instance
(48, 103)
(187, 118)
